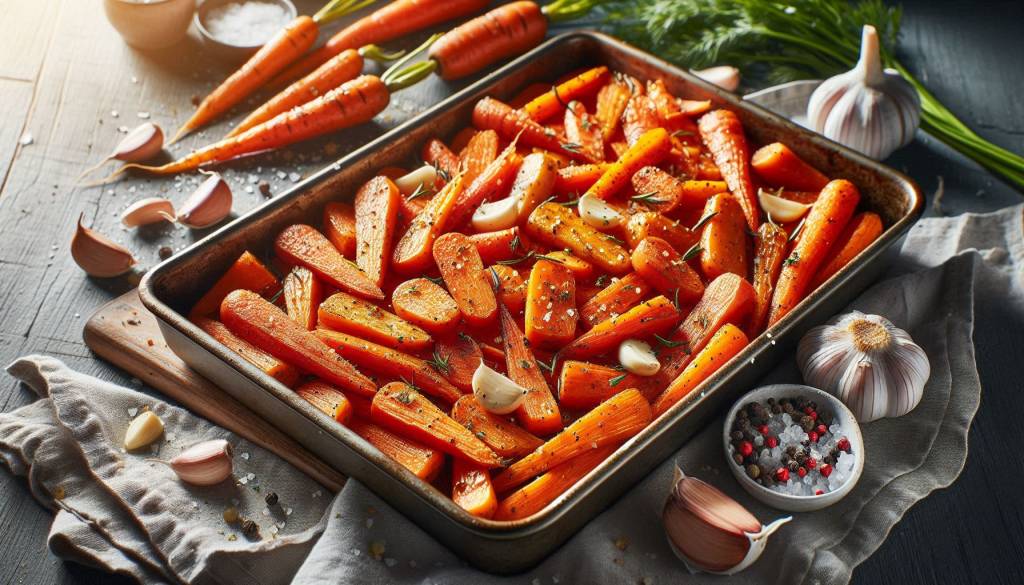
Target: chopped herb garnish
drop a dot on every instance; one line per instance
(569, 203)
(602, 281)
(564, 295)
(515, 243)
(692, 252)
(675, 299)
(420, 191)
(548, 258)
(648, 198)
(441, 172)
(554, 90)
(549, 367)
(435, 279)
(667, 342)
(571, 147)
(681, 133)
(615, 381)
(796, 231)
(612, 238)
(404, 397)
(700, 222)
(440, 363)
(495, 279)
(792, 259)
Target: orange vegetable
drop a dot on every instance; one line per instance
(577, 179)
(340, 227)
(506, 438)
(725, 344)
(302, 245)
(612, 100)
(491, 184)
(525, 95)
(272, 366)
(376, 206)
(863, 229)
(534, 182)
(398, 407)
(262, 324)
(581, 269)
(427, 305)
(479, 152)
(436, 154)
(327, 399)
(694, 107)
(302, 295)
(723, 242)
(424, 462)
(538, 413)
(582, 129)
(657, 262)
(823, 226)
(413, 252)
(551, 102)
(472, 490)
(500, 245)
(781, 167)
(550, 305)
(583, 385)
(722, 133)
(511, 289)
(668, 192)
(640, 117)
(457, 359)
(611, 422)
(345, 313)
(615, 299)
(769, 252)
(656, 315)
(560, 228)
(534, 496)
(650, 224)
(463, 274)
(649, 149)
(509, 123)
(245, 273)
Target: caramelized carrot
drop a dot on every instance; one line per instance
(302, 245)
(722, 133)
(506, 31)
(427, 305)
(479, 152)
(422, 461)
(611, 422)
(863, 229)
(340, 227)
(694, 108)
(538, 413)
(457, 359)
(413, 252)
(327, 399)
(436, 154)
(504, 437)
(463, 274)
(400, 408)
(582, 129)
(670, 115)
(510, 289)
(639, 118)
(769, 252)
(611, 103)
(781, 167)
(576, 179)
(657, 262)
(723, 242)
(272, 366)
(668, 192)
(650, 224)
(725, 344)
(580, 269)
(615, 299)
(534, 496)
(510, 123)
(262, 324)
(376, 206)
(560, 228)
(550, 305)
(472, 490)
(302, 295)
(551, 102)
(649, 149)
(491, 184)
(584, 385)
(654, 316)
(248, 273)
(534, 182)
(500, 245)
(348, 314)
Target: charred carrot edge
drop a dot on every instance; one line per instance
(505, 31)
(551, 102)
(657, 315)
(413, 252)
(722, 133)
(863, 229)
(427, 305)
(618, 297)
(539, 412)
(723, 241)
(534, 182)
(550, 305)
(424, 462)
(510, 123)
(769, 252)
(272, 366)
(472, 490)
(478, 154)
(511, 287)
(560, 228)
(463, 274)
(302, 295)
(614, 420)
(781, 167)
(340, 227)
(348, 314)
(506, 438)
(399, 407)
(585, 385)
(327, 399)
(725, 344)
(376, 207)
(650, 149)
(578, 178)
(247, 272)
(534, 496)
(302, 245)
(658, 263)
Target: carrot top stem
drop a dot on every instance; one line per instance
(402, 75)
(377, 54)
(563, 10)
(335, 9)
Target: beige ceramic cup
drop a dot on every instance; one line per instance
(152, 24)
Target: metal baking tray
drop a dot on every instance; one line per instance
(508, 547)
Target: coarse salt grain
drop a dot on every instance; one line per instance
(245, 24)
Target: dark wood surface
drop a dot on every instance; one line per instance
(63, 71)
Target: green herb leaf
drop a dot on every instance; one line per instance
(648, 198)
(693, 251)
(440, 363)
(667, 342)
(700, 222)
(616, 380)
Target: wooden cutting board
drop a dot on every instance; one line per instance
(124, 333)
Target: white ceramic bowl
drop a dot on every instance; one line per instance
(155, 24)
(223, 49)
(780, 500)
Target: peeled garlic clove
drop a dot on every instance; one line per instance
(143, 143)
(780, 209)
(638, 358)
(97, 255)
(496, 215)
(147, 211)
(495, 392)
(711, 532)
(208, 204)
(207, 463)
(143, 430)
(596, 212)
(408, 183)
(724, 76)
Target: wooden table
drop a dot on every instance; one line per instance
(68, 81)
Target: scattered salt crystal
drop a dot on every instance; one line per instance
(318, 493)
(295, 177)
(759, 440)
(245, 455)
(171, 437)
(243, 480)
(266, 512)
(26, 139)
(122, 129)
(245, 24)
(281, 174)
(133, 411)
(143, 115)
(135, 79)
(251, 476)
(114, 113)
(287, 511)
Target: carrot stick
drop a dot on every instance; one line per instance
(534, 182)
(348, 314)
(656, 315)
(658, 263)
(769, 252)
(722, 134)
(551, 102)
(560, 228)
(463, 274)
(245, 273)
(649, 149)
(550, 305)
(668, 192)
(506, 438)
(501, 245)
(491, 184)
(582, 129)
(400, 408)
(457, 359)
(639, 118)
(424, 462)
(413, 251)
(576, 179)
(472, 490)
(613, 421)
(583, 385)
(340, 227)
(272, 366)
(781, 167)
(725, 344)
(534, 496)
(649, 224)
(580, 269)
(438, 155)
(863, 229)
(822, 227)
(538, 413)
(694, 108)
(391, 362)
(611, 103)
(302, 295)
(505, 31)
(327, 399)
(478, 154)
(616, 298)
(376, 206)
(509, 123)
(302, 245)
(427, 305)
(262, 324)
(511, 289)
(723, 242)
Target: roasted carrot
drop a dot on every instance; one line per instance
(769, 252)
(723, 241)
(424, 462)
(463, 274)
(781, 167)
(394, 363)
(612, 100)
(457, 359)
(525, 95)
(510, 123)
(479, 152)
(539, 412)
(413, 252)
(340, 227)
(506, 438)
(302, 245)
(639, 118)
(584, 385)
(550, 305)
(560, 228)
(472, 490)
(376, 206)
(327, 399)
(551, 102)
(302, 295)
(427, 305)
(505, 31)
(654, 316)
(668, 192)
(576, 179)
(491, 184)
(615, 299)
(863, 229)
(248, 273)
(658, 263)
(511, 287)
(725, 344)
(722, 133)
(822, 227)
(348, 314)
(694, 108)
(580, 268)
(402, 409)
(582, 129)
(613, 421)
(534, 496)
(649, 149)
(262, 324)
(438, 155)
(501, 245)
(670, 114)
(272, 366)
(649, 224)
(534, 182)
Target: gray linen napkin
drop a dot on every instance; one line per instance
(119, 512)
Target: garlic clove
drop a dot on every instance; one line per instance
(496, 215)
(209, 204)
(142, 143)
(780, 209)
(143, 430)
(724, 76)
(147, 211)
(596, 212)
(408, 183)
(206, 463)
(638, 358)
(97, 255)
(496, 392)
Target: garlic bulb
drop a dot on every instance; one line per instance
(97, 255)
(143, 430)
(780, 209)
(638, 358)
(496, 215)
(147, 211)
(496, 392)
(867, 362)
(208, 204)
(711, 532)
(868, 109)
(596, 212)
(206, 463)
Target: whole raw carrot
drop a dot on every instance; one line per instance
(510, 123)
(302, 245)
(863, 229)
(722, 133)
(504, 32)
(728, 342)
(649, 149)
(551, 102)
(769, 252)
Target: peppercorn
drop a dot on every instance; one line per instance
(271, 499)
(753, 471)
(806, 423)
(801, 458)
(782, 474)
(737, 458)
(828, 459)
(776, 409)
(788, 409)
(812, 437)
(826, 417)
(165, 252)
(772, 442)
(746, 448)
(818, 492)
(785, 458)
(231, 515)
(250, 529)
(844, 445)
(825, 470)
(821, 429)
(811, 463)
(801, 472)
(736, 435)
(264, 188)
(791, 450)
(792, 466)
(764, 430)
(741, 415)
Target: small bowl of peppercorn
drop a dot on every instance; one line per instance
(794, 447)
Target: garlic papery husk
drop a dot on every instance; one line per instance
(421, 178)
(208, 204)
(97, 255)
(147, 211)
(141, 143)
(780, 209)
(711, 532)
(724, 76)
(865, 361)
(638, 358)
(596, 212)
(868, 109)
(496, 215)
(206, 463)
(496, 392)
(143, 430)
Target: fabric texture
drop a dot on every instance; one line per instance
(127, 514)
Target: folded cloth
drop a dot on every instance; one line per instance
(127, 514)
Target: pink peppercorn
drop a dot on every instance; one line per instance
(746, 448)
(782, 474)
(825, 470)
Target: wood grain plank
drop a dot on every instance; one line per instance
(16, 96)
(27, 36)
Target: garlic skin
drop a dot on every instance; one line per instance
(207, 463)
(496, 392)
(711, 532)
(638, 358)
(780, 209)
(140, 144)
(596, 212)
(724, 76)
(143, 430)
(496, 215)
(147, 211)
(409, 182)
(865, 361)
(869, 109)
(97, 255)
(208, 204)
